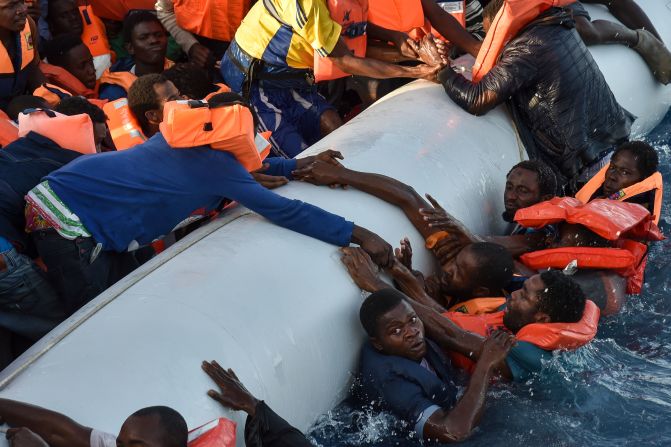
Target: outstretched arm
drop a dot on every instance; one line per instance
(629, 13)
(56, 429)
(449, 28)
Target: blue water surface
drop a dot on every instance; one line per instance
(614, 392)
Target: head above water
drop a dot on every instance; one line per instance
(146, 98)
(145, 37)
(528, 183)
(392, 325)
(549, 297)
(77, 105)
(631, 163)
(479, 270)
(154, 427)
(69, 52)
(63, 17)
(13, 15)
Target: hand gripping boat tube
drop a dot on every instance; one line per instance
(69, 132)
(228, 127)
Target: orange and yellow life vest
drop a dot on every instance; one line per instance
(352, 15)
(230, 128)
(511, 18)
(214, 19)
(94, 37)
(217, 433)
(9, 131)
(398, 15)
(74, 132)
(653, 183)
(547, 336)
(117, 9)
(123, 126)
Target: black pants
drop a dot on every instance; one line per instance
(75, 271)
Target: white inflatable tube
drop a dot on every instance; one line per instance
(276, 306)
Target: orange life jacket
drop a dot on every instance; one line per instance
(214, 19)
(60, 77)
(117, 9)
(229, 128)
(123, 79)
(456, 8)
(8, 77)
(547, 336)
(124, 128)
(352, 15)
(511, 18)
(478, 306)
(217, 433)
(221, 88)
(94, 37)
(398, 15)
(9, 131)
(653, 183)
(73, 132)
(53, 94)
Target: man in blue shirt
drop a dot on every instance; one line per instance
(405, 373)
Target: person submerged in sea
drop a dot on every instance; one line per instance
(406, 373)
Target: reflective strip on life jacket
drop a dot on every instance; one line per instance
(217, 433)
(511, 18)
(124, 128)
(27, 51)
(73, 132)
(94, 37)
(609, 219)
(653, 183)
(352, 15)
(9, 131)
(229, 128)
(478, 306)
(397, 15)
(63, 79)
(214, 19)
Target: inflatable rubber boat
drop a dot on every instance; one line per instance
(276, 306)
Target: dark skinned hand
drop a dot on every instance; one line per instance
(496, 348)
(200, 55)
(232, 393)
(404, 253)
(439, 219)
(23, 437)
(429, 53)
(362, 269)
(320, 173)
(407, 46)
(268, 181)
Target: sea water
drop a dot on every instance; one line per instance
(614, 392)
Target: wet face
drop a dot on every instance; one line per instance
(457, 276)
(622, 173)
(13, 15)
(99, 134)
(522, 190)
(148, 43)
(80, 64)
(522, 307)
(145, 431)
(64, 17)
(400, 332)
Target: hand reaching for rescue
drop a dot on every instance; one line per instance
(439, 219)
(321, 173)
(23, 437)
(404, 253)
(429, 52)
(232, 393)
(361, 268)
(407, 46)
(496, 348)
(268, 181)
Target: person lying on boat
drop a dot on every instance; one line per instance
(549, 312)
(553, 85)
(636, 32)
(473, 270)
(404, 371)
(103, 205)
(151, 427)
(263, 427)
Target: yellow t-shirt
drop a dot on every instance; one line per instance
(312, 29)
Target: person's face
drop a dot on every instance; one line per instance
(522, 190)
(64, 17)
(522, 306)
(165, 92)
(13, 15)
(80, 64)
(456, 277)
(148, 43)
(99, 134)
(622, 173)
(400, 332)
(142, 431)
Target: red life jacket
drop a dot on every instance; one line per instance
(217, 433)
(62, 78)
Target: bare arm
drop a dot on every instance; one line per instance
(56, 429)
(450, 28)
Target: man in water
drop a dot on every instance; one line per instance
(566, 113)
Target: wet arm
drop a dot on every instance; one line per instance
(450, 28)
(347, 62)
(56, 429)
(519, 244)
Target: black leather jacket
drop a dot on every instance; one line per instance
(565, 112)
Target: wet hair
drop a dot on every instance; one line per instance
(646, 156)
(495, 266)
(489, 12)
(547, 179)
(375, 306)
(76, 105)
(191, 80)
(134, 18)
(22, 102)
(562, 298)
(221, 99)
(175, 432)
(56, 50)
(142, 97)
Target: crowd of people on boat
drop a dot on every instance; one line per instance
(225, 96)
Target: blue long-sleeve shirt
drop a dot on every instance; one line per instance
(142, 193)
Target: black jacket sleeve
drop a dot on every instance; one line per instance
(267, 429)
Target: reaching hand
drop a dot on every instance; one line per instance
(448, 248)
(200, 55)
(361, 268)
(320, 173)
(330, 156)
(23, 437)
(429, 52)
(268, 181)
(496, 348)
(427, 72)
(233, 393)
(439, 219)
(404, 253)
